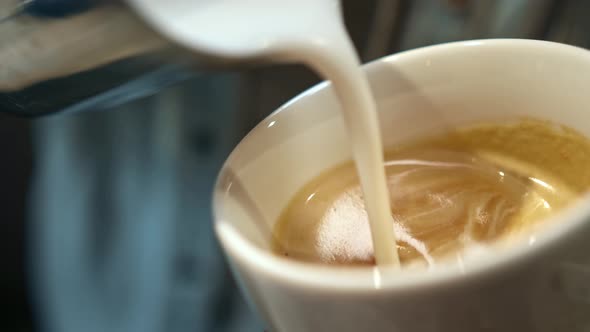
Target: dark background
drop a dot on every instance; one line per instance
(15, 171)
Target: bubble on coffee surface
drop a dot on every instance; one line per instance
(443, 203)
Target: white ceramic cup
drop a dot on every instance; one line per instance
(542, 284)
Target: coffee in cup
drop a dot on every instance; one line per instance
(453, 194)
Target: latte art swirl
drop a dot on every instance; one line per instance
(448, 205)
(443, 203)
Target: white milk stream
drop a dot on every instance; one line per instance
(305, 31)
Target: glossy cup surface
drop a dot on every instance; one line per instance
(542, 285)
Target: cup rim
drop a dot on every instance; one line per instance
(357, 279)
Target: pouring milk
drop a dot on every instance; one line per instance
(307, 31)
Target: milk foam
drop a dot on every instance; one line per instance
(447, 206)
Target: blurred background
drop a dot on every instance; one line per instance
(230, 104)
